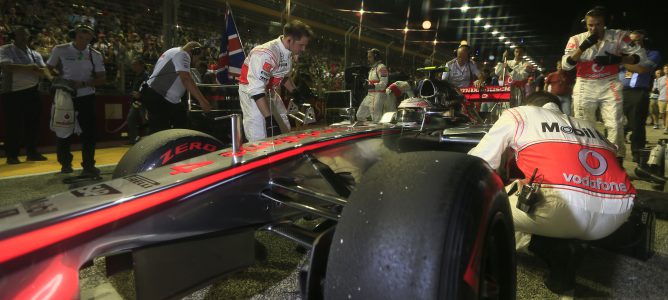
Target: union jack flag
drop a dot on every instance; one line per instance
(232, 55)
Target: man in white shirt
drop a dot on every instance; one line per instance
(22, 68)
(170, 79)
(83, 68)
(462, 72)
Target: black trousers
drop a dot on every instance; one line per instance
(85, 108)
(163, 114)
(21, 111)
(636, 106)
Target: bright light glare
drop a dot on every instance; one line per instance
(487, 26)
(495, 32)
(477, 19)
(465, 8)
(426, 24)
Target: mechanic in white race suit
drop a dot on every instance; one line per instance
(596, 55)
(515, 73)
(373, 103)
(263, 71)
(585, 193)
(395, 91)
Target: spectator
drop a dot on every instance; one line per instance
(656, 111)
(22, 68)
(637, 80)
(170, 79)
(83, 67)
(560, 84)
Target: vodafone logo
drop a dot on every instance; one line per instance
(596, 68)
(595, 168)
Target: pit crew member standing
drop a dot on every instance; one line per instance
(376, 83)
(395, 91)
(596, 55)
(167, 84)
(22, 68)
(515, 72)
(262, 72)
(462, 72)
(585, 194)
(83, 68)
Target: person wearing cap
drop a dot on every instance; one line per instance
(169, 81)
(462, 72)
(83, 68)
(22, 68)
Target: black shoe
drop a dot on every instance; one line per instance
(13, 161)
(562, 258)
(36, 157)
(90, 172)
(66, 169)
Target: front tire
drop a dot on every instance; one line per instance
(165, 147)
(424, 225)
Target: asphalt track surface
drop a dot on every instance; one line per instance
(602, 275)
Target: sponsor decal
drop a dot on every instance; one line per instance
(570, 46)
(38, 207)
(95, 190)
(554, 127)
(287, 139)
(267, 67)
(598, 167)
(141, 181)
(8, 212)
(185, 147)
(187, 168)
(596, 183)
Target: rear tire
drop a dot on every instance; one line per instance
(439, 227)
(165, 147)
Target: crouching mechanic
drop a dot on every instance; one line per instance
(585, 194)
(394, 92)
(262, 72)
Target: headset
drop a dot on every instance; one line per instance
(646, 40)
(454, 52)
(196, 51)
(73, 33)
(376, 54)
(598, 11)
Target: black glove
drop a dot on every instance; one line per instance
(368, 85)
(608, 59)
(271, 126)
(655, 91)
(590, 41)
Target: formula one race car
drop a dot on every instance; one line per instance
(403, 213)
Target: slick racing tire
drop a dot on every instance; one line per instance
(439, 227)
(165, 147)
